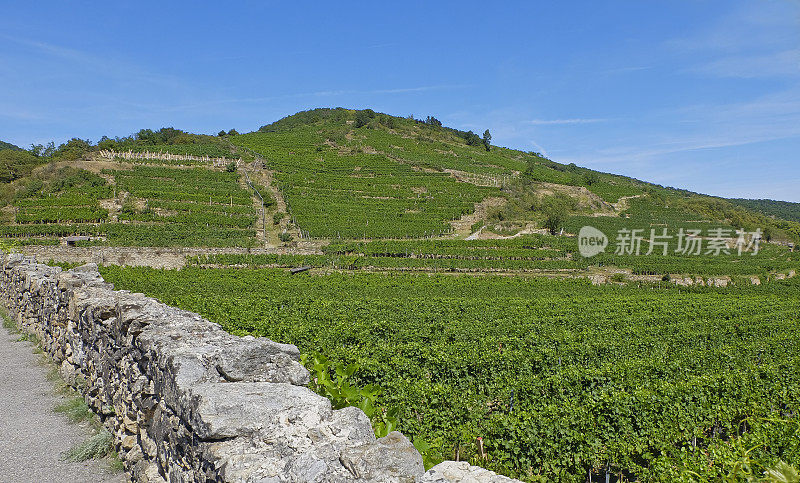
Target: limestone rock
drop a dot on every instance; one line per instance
(461, 471)
(390, 459)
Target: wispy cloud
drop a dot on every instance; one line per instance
(708, 126)
(20, 114)
(539, 148)
(755, 41)
(555, 122)
(760, 25)
(772, 64)
(102, 66)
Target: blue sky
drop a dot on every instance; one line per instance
(703, 95)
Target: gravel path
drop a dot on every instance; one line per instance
(32, 435)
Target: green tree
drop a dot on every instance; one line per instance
(232, 132)
(221, 133)
(432, 121)
(387, 121)
(362, 118)
(106, 143)
(590, 178)
(471, 138)
(73, 149)
(41, 151)
(16, 164)
(487, 139)
(555, 210)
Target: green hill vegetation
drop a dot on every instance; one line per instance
(5, 145)
(16, 164)
(345, 174)
(779, 209)
(393, 177)
(447, 270)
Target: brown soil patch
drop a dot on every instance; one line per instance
(463, 226)
(585, 198)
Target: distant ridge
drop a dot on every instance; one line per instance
(5, 145)
(787, 210)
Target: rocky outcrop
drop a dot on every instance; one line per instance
(462, 471)
(186, 401)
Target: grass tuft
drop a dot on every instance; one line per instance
(97, 446)
(115, 463)
(75, 409)
(8, 323)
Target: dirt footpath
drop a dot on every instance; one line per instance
(32, 435)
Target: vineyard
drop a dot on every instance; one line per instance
(182, 206)
(211, 150)
(530, 253)
(374, 183)
(562, 380)
(160, 206)
(358, 194)
(448, 272)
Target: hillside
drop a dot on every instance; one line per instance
(392, 177)
(786, 210)
(5, 145)
(336, 176)
(443, 288)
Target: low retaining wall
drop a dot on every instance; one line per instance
(186, 401)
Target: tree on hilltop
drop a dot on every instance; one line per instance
(432, 121)
(363, 117)
(487, 139)
(472, 138)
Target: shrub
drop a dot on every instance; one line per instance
(618, 278)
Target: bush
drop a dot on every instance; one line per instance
(73, 149)
(363, 117)
(472, 139)
(556, 209)
(231, 167)
(15, 164)
(590, 178)
(618, 278)
(285, 237)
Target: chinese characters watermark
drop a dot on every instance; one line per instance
(661, 241)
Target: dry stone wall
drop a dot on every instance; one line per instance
(186, 401)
